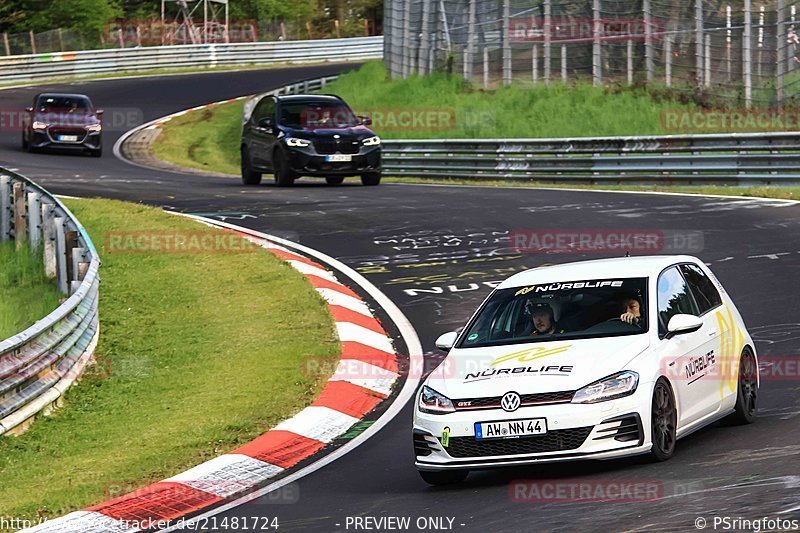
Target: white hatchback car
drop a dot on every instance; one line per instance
(596, 359)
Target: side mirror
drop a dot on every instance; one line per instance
(446, 341)
(98, 112)
(265, 122)
(680, 324)
(366, 121)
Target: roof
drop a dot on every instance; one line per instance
(617, 267)
(63, 95)
(309, 98)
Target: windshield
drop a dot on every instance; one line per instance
(62, 103)
(564, 310)
(311, 115)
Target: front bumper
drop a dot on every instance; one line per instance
(306, 161)
(604, 430)
(47, 139)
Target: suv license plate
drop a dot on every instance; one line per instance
(338, 158)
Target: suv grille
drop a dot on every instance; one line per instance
(526, 399)
(331, 146)
(554, 441)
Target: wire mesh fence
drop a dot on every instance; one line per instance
(713, 52)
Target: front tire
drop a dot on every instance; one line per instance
(371, 179)
(249, 176)
(746, 391)
(663, 421)
(445, 477)
(284, 176)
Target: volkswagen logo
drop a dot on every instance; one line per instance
(510, 401)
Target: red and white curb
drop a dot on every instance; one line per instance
(364, 377)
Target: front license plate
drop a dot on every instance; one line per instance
(68, 138)
(338, 158)
(510, 428)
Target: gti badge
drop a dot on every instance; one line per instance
(510, 401)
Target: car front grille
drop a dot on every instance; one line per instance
(55, 131)
(553, 441)
(542, 398)
(332, 146)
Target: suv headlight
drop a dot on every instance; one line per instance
(371, 141)
(94, 127)
(433, 402)
(39, 125)
(295, 142)
(610, 388)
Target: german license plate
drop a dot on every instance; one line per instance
(68, 138)
(338, 158)
(506, 429)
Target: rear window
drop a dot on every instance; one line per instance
(565, 310)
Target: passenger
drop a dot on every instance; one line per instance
(543, 320)
(631, 311)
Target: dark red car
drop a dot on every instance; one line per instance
(63, 122)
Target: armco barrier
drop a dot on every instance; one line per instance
(39, 364)
(762, 158)
(100, 62)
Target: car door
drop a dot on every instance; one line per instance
(708, 302)
(262, 137)
(685, 354)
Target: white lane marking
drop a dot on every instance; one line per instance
(227, 475)
(365, 375)
(335, 297)
(319, 423)
(353, 332)
(410, 385)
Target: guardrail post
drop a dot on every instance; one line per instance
(61, 256)
(5, 208)
(34, 219)
(70, 243)
(78, 263)
(20, 215)
(49, 240)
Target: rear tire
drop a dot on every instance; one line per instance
(284, 177)
(334, 180)
(663, 421)
(371, 179)
(746, 391)
(444, 477)
(249, 176)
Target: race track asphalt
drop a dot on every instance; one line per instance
(449, 241)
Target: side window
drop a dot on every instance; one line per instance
(264, 108)
(702, 287)
(674, 298)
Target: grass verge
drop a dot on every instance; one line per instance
(199, 353)
(27, 294)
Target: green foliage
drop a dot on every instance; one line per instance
(87, 16)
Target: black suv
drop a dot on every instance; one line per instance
(308, 135)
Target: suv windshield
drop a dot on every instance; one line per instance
(564, 310)
(48, 104)
(311, 115)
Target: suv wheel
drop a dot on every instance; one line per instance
(371, 178)
(284, 177)
(249, 176)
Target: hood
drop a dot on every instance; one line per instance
(533, 367)
(57, 118)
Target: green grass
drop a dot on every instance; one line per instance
(198, 353)
(27, 295)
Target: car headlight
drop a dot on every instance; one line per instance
(371, 141)
(39, 125)
(94, 128)
(433, 402)
(295, 142)
(610, 388)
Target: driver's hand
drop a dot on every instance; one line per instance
(629, 318)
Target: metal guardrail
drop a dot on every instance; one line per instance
(40, 363)
(762, 158)
(97, 62)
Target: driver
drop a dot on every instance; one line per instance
(631, 311)
(543, 320)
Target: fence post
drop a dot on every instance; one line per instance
(506, 42)
(20, 215)
(597, 66)
(648, 42)
(406, 48)
(728, 41)
(780, 41)
(668, 61)
(698, 41)
(547, 32)
(535, 63)
(485, 67)
(49, 241)
(60, 39)
(33, 42)
(469, 52)
(61, 255)
(564, 63)
(5, 207)
(425, 38)
(747, 58)
(760, 38)
(5, 44)
(707, 66)
(34, 219)
(630, 61)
